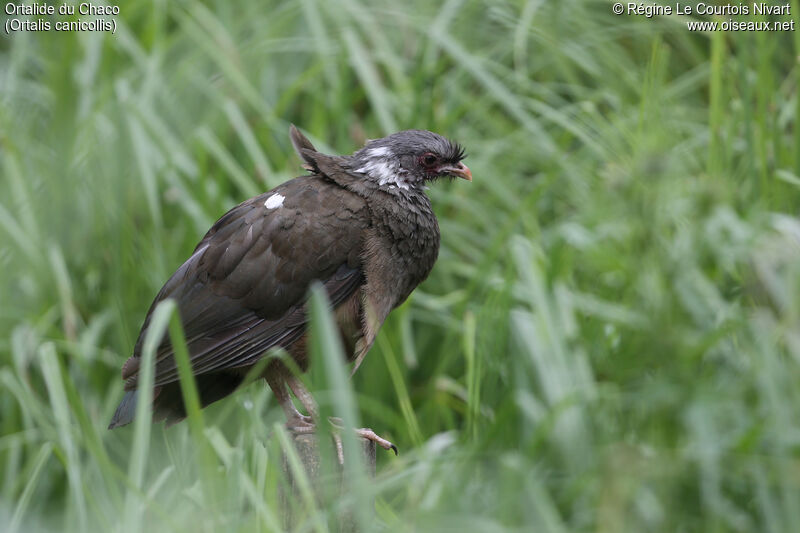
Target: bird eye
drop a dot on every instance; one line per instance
(429, 159)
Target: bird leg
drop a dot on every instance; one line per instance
(302, 394)
(294, 419)
(310, 405)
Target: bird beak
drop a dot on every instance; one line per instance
(460, 170)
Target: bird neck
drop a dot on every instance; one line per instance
(405, 219)
(385, 171)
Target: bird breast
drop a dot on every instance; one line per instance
(404, 243)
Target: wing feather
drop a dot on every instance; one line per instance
(243, 290)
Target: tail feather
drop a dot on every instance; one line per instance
(125, 411)
(168, 399)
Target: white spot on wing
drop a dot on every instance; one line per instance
(276, 200)
(380, 151)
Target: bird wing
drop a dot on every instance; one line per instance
(244, 288)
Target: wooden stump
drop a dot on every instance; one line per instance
(307, 448)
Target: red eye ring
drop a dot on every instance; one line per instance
(428, 159)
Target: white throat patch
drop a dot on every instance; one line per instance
(382, 169)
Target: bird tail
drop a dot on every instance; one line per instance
(125, 411)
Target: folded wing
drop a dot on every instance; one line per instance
(244, 288)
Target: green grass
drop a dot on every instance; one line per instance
(609, 342)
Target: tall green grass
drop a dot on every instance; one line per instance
(608, 342)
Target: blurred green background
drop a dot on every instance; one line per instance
(609, 342)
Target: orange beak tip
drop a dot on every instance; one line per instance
(463, 171)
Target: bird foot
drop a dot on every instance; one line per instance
(304, 425)
(300, 422)
(366, 433)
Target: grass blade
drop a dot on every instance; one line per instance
(24, 500)
(143, 421)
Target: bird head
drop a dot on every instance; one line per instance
(409, 159)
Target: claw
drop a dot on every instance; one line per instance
(305, 425)
(366, 433)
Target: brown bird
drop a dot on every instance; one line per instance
(361, 225)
